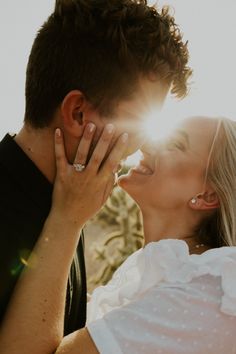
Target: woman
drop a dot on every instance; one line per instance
(178, 293)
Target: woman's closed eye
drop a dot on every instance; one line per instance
(176, 144)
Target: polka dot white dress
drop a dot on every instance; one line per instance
(163, 300)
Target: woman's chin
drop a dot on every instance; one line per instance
(133, 188)
(124, 183)
(124, 180)
(132, 182)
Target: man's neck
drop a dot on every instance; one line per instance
(38, 145)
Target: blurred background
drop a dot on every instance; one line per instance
(208, 25)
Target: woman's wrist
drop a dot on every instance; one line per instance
(61, 223)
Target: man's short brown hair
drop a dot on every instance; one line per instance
(102, 47)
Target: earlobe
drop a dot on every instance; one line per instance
(205, 201)
(193, 201)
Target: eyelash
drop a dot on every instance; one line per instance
(176, 145)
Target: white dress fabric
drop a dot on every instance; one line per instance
(164, 300)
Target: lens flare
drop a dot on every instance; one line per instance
(158, 126)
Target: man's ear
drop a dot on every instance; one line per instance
(72, 113)
(205, 201)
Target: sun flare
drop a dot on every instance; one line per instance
(156, 127)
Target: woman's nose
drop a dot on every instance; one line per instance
(151, 148)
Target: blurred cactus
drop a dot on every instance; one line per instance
(123, 213)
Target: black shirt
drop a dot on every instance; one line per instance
(25, 201)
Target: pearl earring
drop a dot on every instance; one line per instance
(194, 201)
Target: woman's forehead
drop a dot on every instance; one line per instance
(201, 128)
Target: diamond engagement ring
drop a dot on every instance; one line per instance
(79, 167)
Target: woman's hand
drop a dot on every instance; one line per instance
(77, 195)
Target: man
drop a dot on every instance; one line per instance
(92, 61)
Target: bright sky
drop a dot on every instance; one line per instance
(209, 25)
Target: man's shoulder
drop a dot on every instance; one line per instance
(7, 145)
(7, 158)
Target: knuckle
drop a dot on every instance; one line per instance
(89, 169)
(110, 164)
(96, 159)
(61, 177)
(80, 156)
(106, 137)
(59, 158)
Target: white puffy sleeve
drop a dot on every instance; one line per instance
(163, 300)
(169, 320)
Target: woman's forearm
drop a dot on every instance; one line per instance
(35, 318)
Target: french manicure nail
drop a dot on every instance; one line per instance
(110, 128)
(58, 132)
(91, 127)
(125, 137)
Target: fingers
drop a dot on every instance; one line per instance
(109, 188)
(116, 155)
(101, 148)
(99, 159)
(84, 145)
(60, 155)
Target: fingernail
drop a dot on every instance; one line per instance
(125, 137)
(91, 127)
(115, 177)
(58, 133)
(115, 169)
(110, 128)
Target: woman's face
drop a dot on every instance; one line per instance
(172, 172)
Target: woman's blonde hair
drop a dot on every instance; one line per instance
(221, 227)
